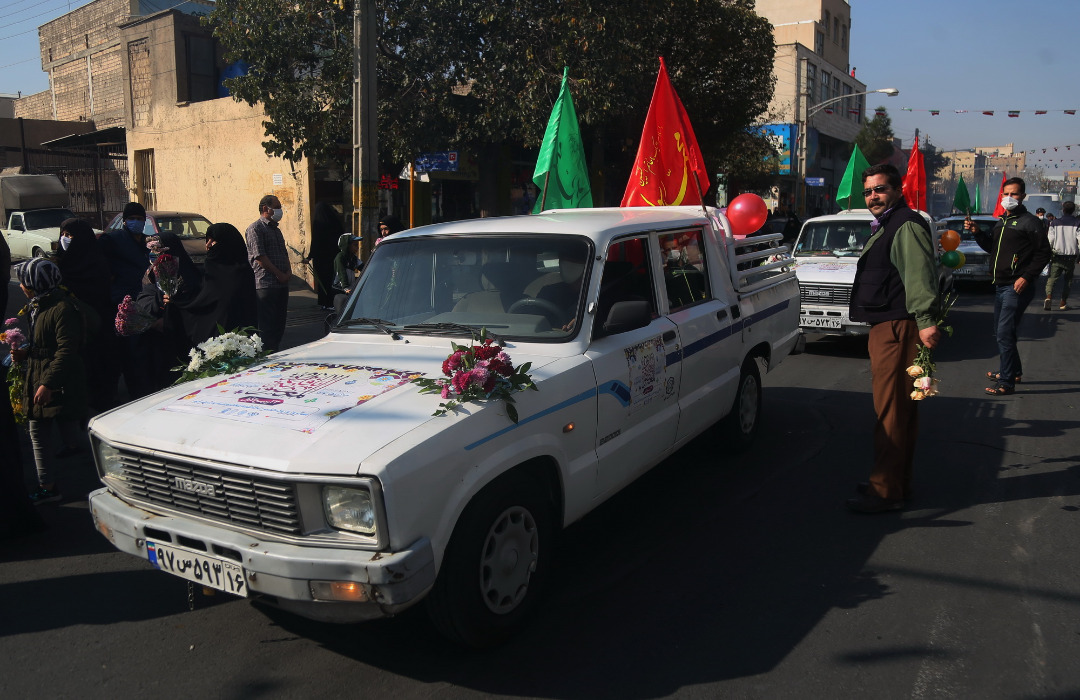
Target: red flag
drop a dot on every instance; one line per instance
(668, 159)
(998, 209)
(915, 180)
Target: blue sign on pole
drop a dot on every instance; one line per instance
(441, 161)
(781, 137)
(815, 182)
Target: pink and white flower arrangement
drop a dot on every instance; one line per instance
(922, 370)
(478, 371)
(130, 320)
(14, 338)
(166, 268)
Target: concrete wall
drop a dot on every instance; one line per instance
(800, 21)
(208, 158)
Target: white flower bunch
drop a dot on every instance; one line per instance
(223, 353)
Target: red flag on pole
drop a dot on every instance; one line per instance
(668, 159)
(998, 209)
(915, 180)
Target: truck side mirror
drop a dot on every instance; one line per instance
(626, 316)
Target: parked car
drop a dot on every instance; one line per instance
(826, 255)
(977, 264)
(189, 228)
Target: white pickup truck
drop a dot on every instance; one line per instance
(826, 255)
(320, 482)
(32, 207)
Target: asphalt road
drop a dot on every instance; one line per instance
(712, 576)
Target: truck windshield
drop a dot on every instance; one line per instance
(518, 287)
(46, 218)
(839, 238)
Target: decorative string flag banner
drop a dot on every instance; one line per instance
(1014, 113)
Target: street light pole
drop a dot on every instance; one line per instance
(365, 176)
(803, 126)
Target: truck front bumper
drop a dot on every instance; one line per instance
(279, 573)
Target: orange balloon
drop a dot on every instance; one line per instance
(950, 240)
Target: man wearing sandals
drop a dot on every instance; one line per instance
(896, 292)
(1019, 250)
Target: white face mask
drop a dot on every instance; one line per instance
(275, 214)
(65, 241)
(1009, 203)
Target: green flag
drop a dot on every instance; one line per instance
(560, 172)
(849, 196)
(960, 200)
(978, 199)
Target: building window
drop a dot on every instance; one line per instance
(201, 68)
(828, 21)
(140, 86)
(836, 30)
(826, 81)
(811, 81)
(861, 106)
(847, 102)
(819, 43)
(145, 192)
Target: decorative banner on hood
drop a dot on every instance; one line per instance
(294, 395)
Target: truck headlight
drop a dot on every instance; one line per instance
(109, 461)
(349, 509)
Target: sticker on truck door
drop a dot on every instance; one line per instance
(647, 363)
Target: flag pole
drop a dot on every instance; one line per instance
(700, 196)
(543, 195)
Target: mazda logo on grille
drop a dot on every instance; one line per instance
(818, 292)
(191, 486)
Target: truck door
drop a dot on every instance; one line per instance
(637, 371)
(16, 239)
(710, 351)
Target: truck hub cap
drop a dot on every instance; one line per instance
(508, 559)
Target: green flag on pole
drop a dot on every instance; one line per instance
(960, 201)
(849, 195)
(977, 204)
(560, 171)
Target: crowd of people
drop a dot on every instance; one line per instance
(75, 364)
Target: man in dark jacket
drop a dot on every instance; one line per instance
(896, 292)
(1018, 251)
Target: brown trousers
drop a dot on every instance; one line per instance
(892, 350)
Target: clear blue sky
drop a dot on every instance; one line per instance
(941, 54)
(988, 55)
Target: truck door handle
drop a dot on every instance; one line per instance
(668, 336)
(735, 313)
(721, 314)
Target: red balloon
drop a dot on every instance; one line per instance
(747, 213)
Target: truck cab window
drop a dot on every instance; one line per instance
(685, 274)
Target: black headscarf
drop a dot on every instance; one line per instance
(227, 297)
(229, 247)
(85, 268)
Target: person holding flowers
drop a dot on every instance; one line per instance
(171, 281)
(55, 394)
(896, 292)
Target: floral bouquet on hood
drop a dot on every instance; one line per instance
(13, 337)
(480, 370)
(166, 268)
(225, 353)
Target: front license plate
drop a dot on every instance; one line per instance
(197, 567)
(820, 322)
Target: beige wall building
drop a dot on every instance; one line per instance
(816, 98)
(190, 150)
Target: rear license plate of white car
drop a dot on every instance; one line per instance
(820, 322)
(197, 567)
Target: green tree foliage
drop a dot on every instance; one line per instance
(454, 74)
(875, 139)
(935, 162)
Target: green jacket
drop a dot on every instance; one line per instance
(55, 360)
(913, 256)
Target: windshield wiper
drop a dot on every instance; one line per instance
(449, 326)
(376, 322)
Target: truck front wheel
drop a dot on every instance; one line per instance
(38, 253)
(495, 564)
(742, 423)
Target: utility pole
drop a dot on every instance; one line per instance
(365, 170)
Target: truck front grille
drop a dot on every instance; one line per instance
(252, 503)
(824, 294)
